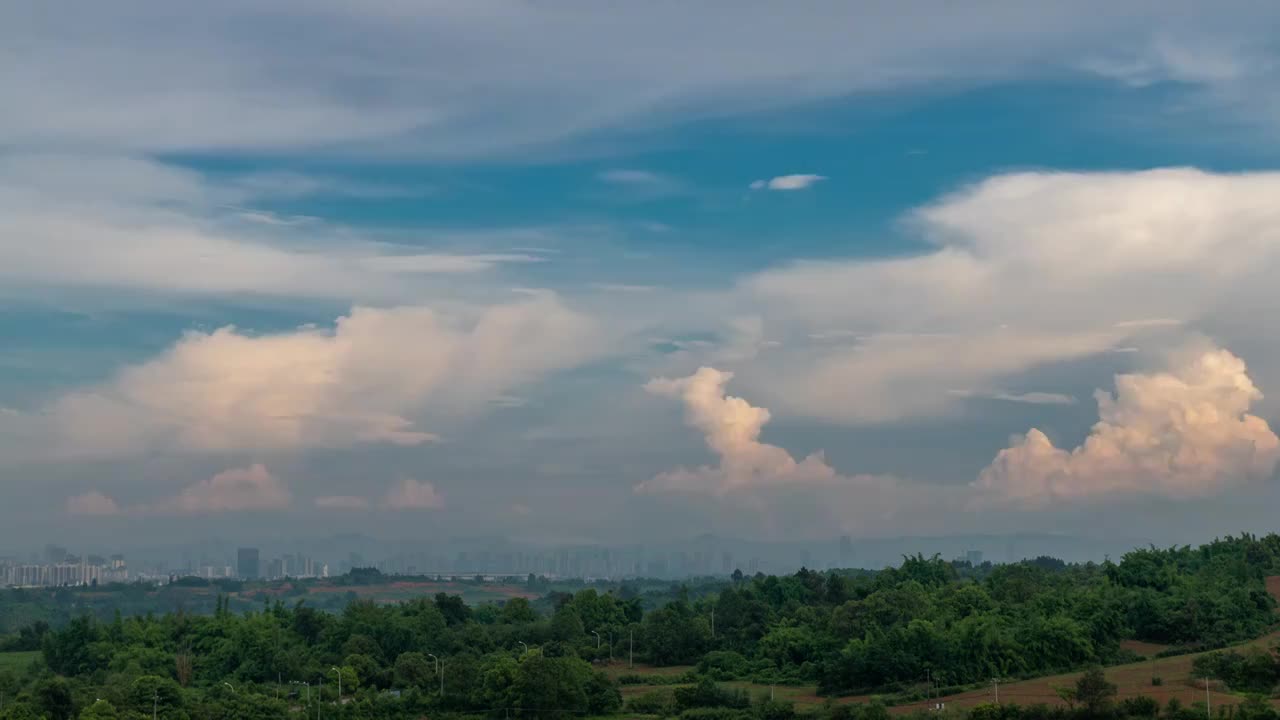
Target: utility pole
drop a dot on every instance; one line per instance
(320, 696)
(442, 679)
(610, 647)
(997, 685)
(1208, 712)
(713, 623)
(631, 661)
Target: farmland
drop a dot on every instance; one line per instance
(17, 661)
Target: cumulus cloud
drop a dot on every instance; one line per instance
(767, 484)
(1014, 272)
(732, 428)
(92, 504)
(368, 379)
(1182, 433)
(342, 502)
(235, 490)
(787, 182)
(411, 494)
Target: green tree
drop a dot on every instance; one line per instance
(100, 710)
(1094, 692)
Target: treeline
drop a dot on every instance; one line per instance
(845, 632)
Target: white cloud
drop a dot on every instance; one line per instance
(368, 379)
(235, 490)
(1019, 271)
(138, 79)
(342, 502)
(411, 494)
(732, 428)
(787, 182)
(92, 504)
(1029, 398)
(765, 483)
(110, 222)
(1181, 433)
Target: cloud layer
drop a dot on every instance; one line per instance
(788, 182)
(1182, 433)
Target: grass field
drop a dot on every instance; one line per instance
(17, 661)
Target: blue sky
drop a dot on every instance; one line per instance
(455, 268)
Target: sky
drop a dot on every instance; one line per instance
(569, 272)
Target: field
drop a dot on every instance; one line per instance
(17, 661)
(391, 592)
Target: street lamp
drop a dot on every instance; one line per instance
(526, 646)
(593, 632)
(230, 686)
(439, 671)
(339, 672)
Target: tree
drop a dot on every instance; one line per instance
(1094, 692)
(100, 710)
(53, 698)
(414, 670)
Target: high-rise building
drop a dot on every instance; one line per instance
(846, 551)
(247, 564)
(974, 557)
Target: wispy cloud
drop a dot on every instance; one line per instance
(1029, 398)
(787, 182)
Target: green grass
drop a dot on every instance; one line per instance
(18, 661)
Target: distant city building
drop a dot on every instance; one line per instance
(846, 551)
(974, 557)
(247, 564)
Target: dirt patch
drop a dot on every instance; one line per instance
(1131, 680)
(1273, 587)
(1145, 649)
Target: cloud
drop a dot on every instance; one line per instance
(1029, 398)
(199, 83)
(411, 494)
(367, 379)
(732, 429)
(632, 177)
(764, 487)
(1182, 433)
(113, 223)
(787, 182)
(235, 490)
(92, 504)
(1012, 273)
(342, 502)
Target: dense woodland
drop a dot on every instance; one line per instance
(845, 632)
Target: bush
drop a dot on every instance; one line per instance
(707, 694)
(719, 713)
(654, 702)
(1139, 707)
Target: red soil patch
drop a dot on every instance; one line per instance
(1145, 649)
(1273, 587)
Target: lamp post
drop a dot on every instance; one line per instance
(339, 672)
(593, 632)
(524, 645)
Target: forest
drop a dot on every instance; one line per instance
(570, 654)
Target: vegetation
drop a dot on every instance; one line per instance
(844, 633)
